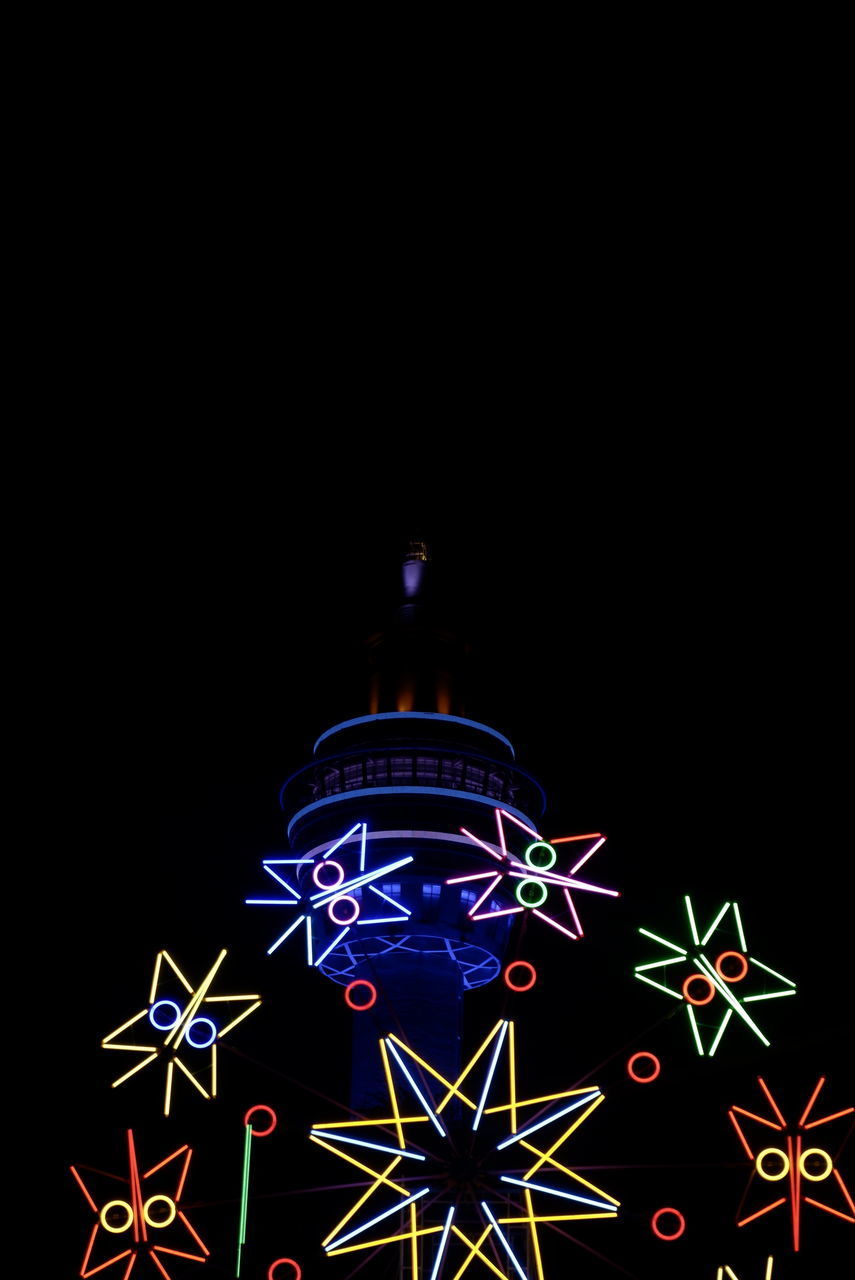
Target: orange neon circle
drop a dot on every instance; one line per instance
(642, 1053)
(815, 1177)
(287, 1262)
(654, 1222)
(102, 1217)
(523, 986)
(260, 1133)
(732, 977)
(782, 1156)
(358, 982)
(702, 977)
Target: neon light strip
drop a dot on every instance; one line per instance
(376, 1146)
(556, 1164)
(479, 875)
(548, 919)
(562, 1138)
(565, 1195)
(375, 1244)
(369, 793)
(490, 887)
(133, 1070)
(576, 920)
(79, 1180)
(490, 1072)
(492, 852)
(506, 813)
(668, 990)
(741, 1135)
(552, 877)
(441, 1247)
(693, 1024)
(828, 1209)
(739, 925)
(657, 964)
(825, 1119)
(193, 1006)
(760, 1120)
(270, 902)
(508, 1250)
(772, 1102)
(130, 1022)
(664, 941)
(192, 1078)
(557, 1116)
(538, 1262)
(332, 945)
(397, 905)
(383, 920)
(711, 930)
(760, 1212)
(396, 1208)
(507, 911)
(168, 958)
(811, 1100)
(268, 867)
(345, 837)
(454, 1089)
(428, 1111)
(773, 972)
(585, 857)
(155, 977)
(842, 1186)
(771, 995)
(692, 924)
(702, 960)
(136, 1190)
(240, 1016)
(500, 830)
(244, 1194)
(590, 835)
(320, 899)
(174, 1155)
(727, 1016)
(393, 1098)
(288, 931)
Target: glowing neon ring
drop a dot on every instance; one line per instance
(519, 892)
(815, 1177)
(654, 1222)
(196, 1043)
(540, 844)
(260, 1133)
(520, 964)
(333, 883)
(642, 1053)
(289, 1262)
(358, 982)
(345, 897)
(157, 1005)
(102, 1217)
(695, 977)
(733, 978)
(774, 1151)
(151, 1222)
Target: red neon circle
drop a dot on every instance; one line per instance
(289, 1262)
(732, 977)
(333, 884)
(698, 977)
(344, 897)
(360, 982)
(643, 1079)
(661, 1234)
(261, 1133)
(520, 964)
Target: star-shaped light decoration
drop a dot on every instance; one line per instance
(531, 880)
(790, 1160)
(435, 1165)
(332, 894)
(726, 1273)
(139, 1225)
(708, 978)
(183, 1025)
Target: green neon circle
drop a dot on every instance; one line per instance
(519, 893)
(541, 866)
(815, 1177)
(110, 1205)
(774, 1151)
(151, 1221)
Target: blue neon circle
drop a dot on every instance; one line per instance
(168, 1025)
(196, 1043)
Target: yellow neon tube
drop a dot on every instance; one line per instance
(359, 1203)
(475, 1249)
(451, 1087)
(193, 1006)
(138, 1067)
(176, 971)
(570, 1172)
(191, 1077)
(537, 1260)
(393, 1097)
(343, 1155)
(370, 1244)
(130, 1022)
(591, 1106)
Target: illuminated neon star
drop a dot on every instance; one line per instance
(146, 1216)
(793, 1160)
(185, 1027)
(710, 978)
(531, 879)
(435, 1170)
(726, 1272)
(332, 893)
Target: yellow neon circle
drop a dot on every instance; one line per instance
(773, 1151)
(103, 1216)
(151, 1221)
(815, 1177)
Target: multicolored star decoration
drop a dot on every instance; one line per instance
(790, 1159)
(149, 1216)
(332, 894)
(531, 879)
(184, 1026)
(709, 978)
(437, 1166)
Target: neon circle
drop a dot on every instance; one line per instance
(772, 1151)
(164, 1026)
(349, 1001)
(522, 986)
(332, 884)
(152, 1222)
(681, 1227)
(732, 977)
(540, 885)
(345, 897)
(200, 1044)
(815, 1177)
(260, 1133)
(288, 1262)
(540, 866)
(102, 1217)
(657, 1067)
(698, 977)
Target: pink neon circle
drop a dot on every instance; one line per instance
(360, 982)
(732, 977)
(261, 1133)
(520, 964)
(654, 1221)
(333, 883)
(642, 1053)
(288, 1262)
(698, 977)
(345, 897)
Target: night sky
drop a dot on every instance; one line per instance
(667, 662)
